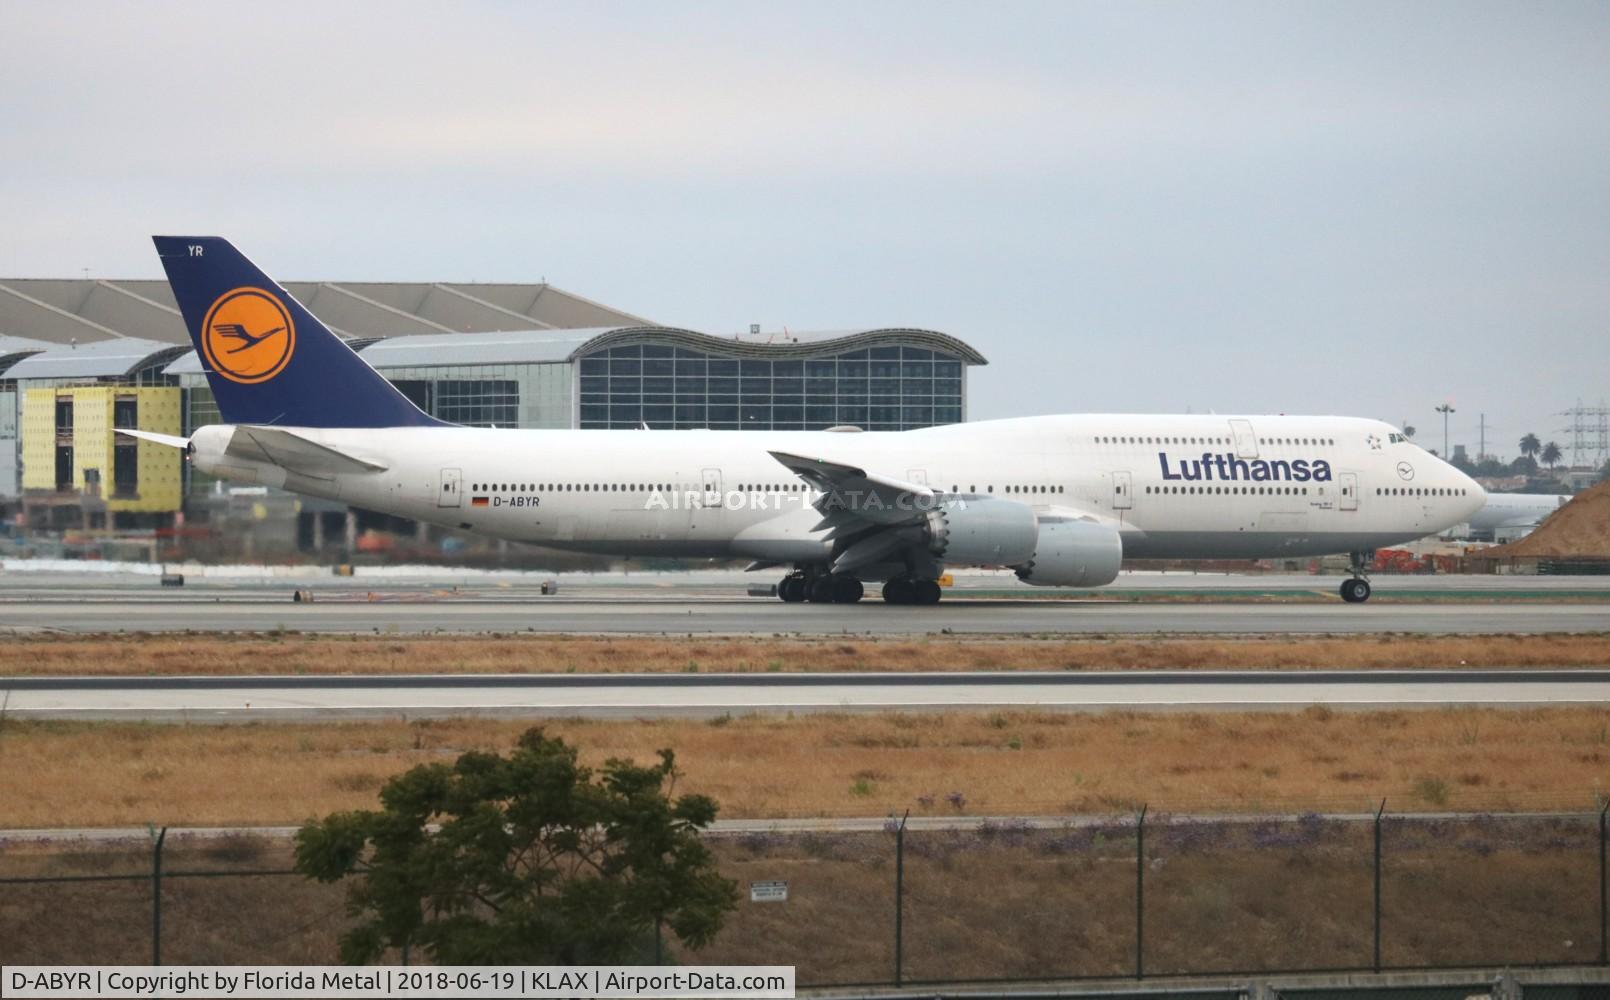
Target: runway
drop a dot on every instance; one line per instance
(710, 602)
(678, 615)
(207, 699)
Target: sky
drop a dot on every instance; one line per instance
(1357, 208)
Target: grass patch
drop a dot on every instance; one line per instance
(1432, 790)
(96, 774)
(297, 654)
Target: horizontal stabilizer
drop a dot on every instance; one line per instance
(168, 439)
(290, 450)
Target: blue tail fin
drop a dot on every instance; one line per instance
(269, 360)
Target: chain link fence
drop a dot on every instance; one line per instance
(966, 902)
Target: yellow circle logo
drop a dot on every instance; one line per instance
(248, 335)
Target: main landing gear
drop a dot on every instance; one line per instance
(820, 588)
(907, 590)
(841, 588)
(1357, 589)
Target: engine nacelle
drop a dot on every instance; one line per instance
(987, 532)
(1074, 554)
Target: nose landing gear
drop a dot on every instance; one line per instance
(1357, 589)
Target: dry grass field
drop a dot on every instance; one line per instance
(68, 774)
(293, 653)
(998, 902)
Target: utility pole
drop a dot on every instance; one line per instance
(1445, 409)
(1481, 450)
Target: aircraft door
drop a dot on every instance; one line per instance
(703, 512)
(1122, 490)
(710, 488)
(1246, 442)
(450, 493)
(1349, 484)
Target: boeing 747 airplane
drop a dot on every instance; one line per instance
(1061, 500)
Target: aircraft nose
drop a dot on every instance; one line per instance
(1475, 497)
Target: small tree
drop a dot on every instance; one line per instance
(1551, 455)
(526, 859)
(1530, 446)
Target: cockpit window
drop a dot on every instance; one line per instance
(1396, 438)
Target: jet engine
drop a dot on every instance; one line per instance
(985, 532)
(1073, 554)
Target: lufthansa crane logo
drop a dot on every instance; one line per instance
(1405, 471)
(248, 335)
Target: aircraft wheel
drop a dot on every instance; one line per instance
(1355, 591)
(927, 591)
(847, 589)
(898, 591)
(821, 590)
(792, 589)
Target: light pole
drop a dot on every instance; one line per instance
(1445, 409)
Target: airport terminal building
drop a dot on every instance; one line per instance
(80, 358)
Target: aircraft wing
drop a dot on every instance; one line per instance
(851, 494)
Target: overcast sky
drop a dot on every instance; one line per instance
(1347, 208)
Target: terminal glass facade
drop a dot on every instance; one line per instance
(511, 395)
(884, 388)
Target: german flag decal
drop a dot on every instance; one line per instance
(479, 501)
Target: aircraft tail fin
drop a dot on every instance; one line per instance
(267, 358)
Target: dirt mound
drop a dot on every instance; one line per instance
(1579, 529)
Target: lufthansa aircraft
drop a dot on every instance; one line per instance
(1060, 499)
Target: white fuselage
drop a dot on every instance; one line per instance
(1514, 514)
(1173, 486)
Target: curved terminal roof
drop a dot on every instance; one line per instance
(551, 346)
(785, 345)
(505, 348)
(116, 358)
(14, 349)
(520, 347)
